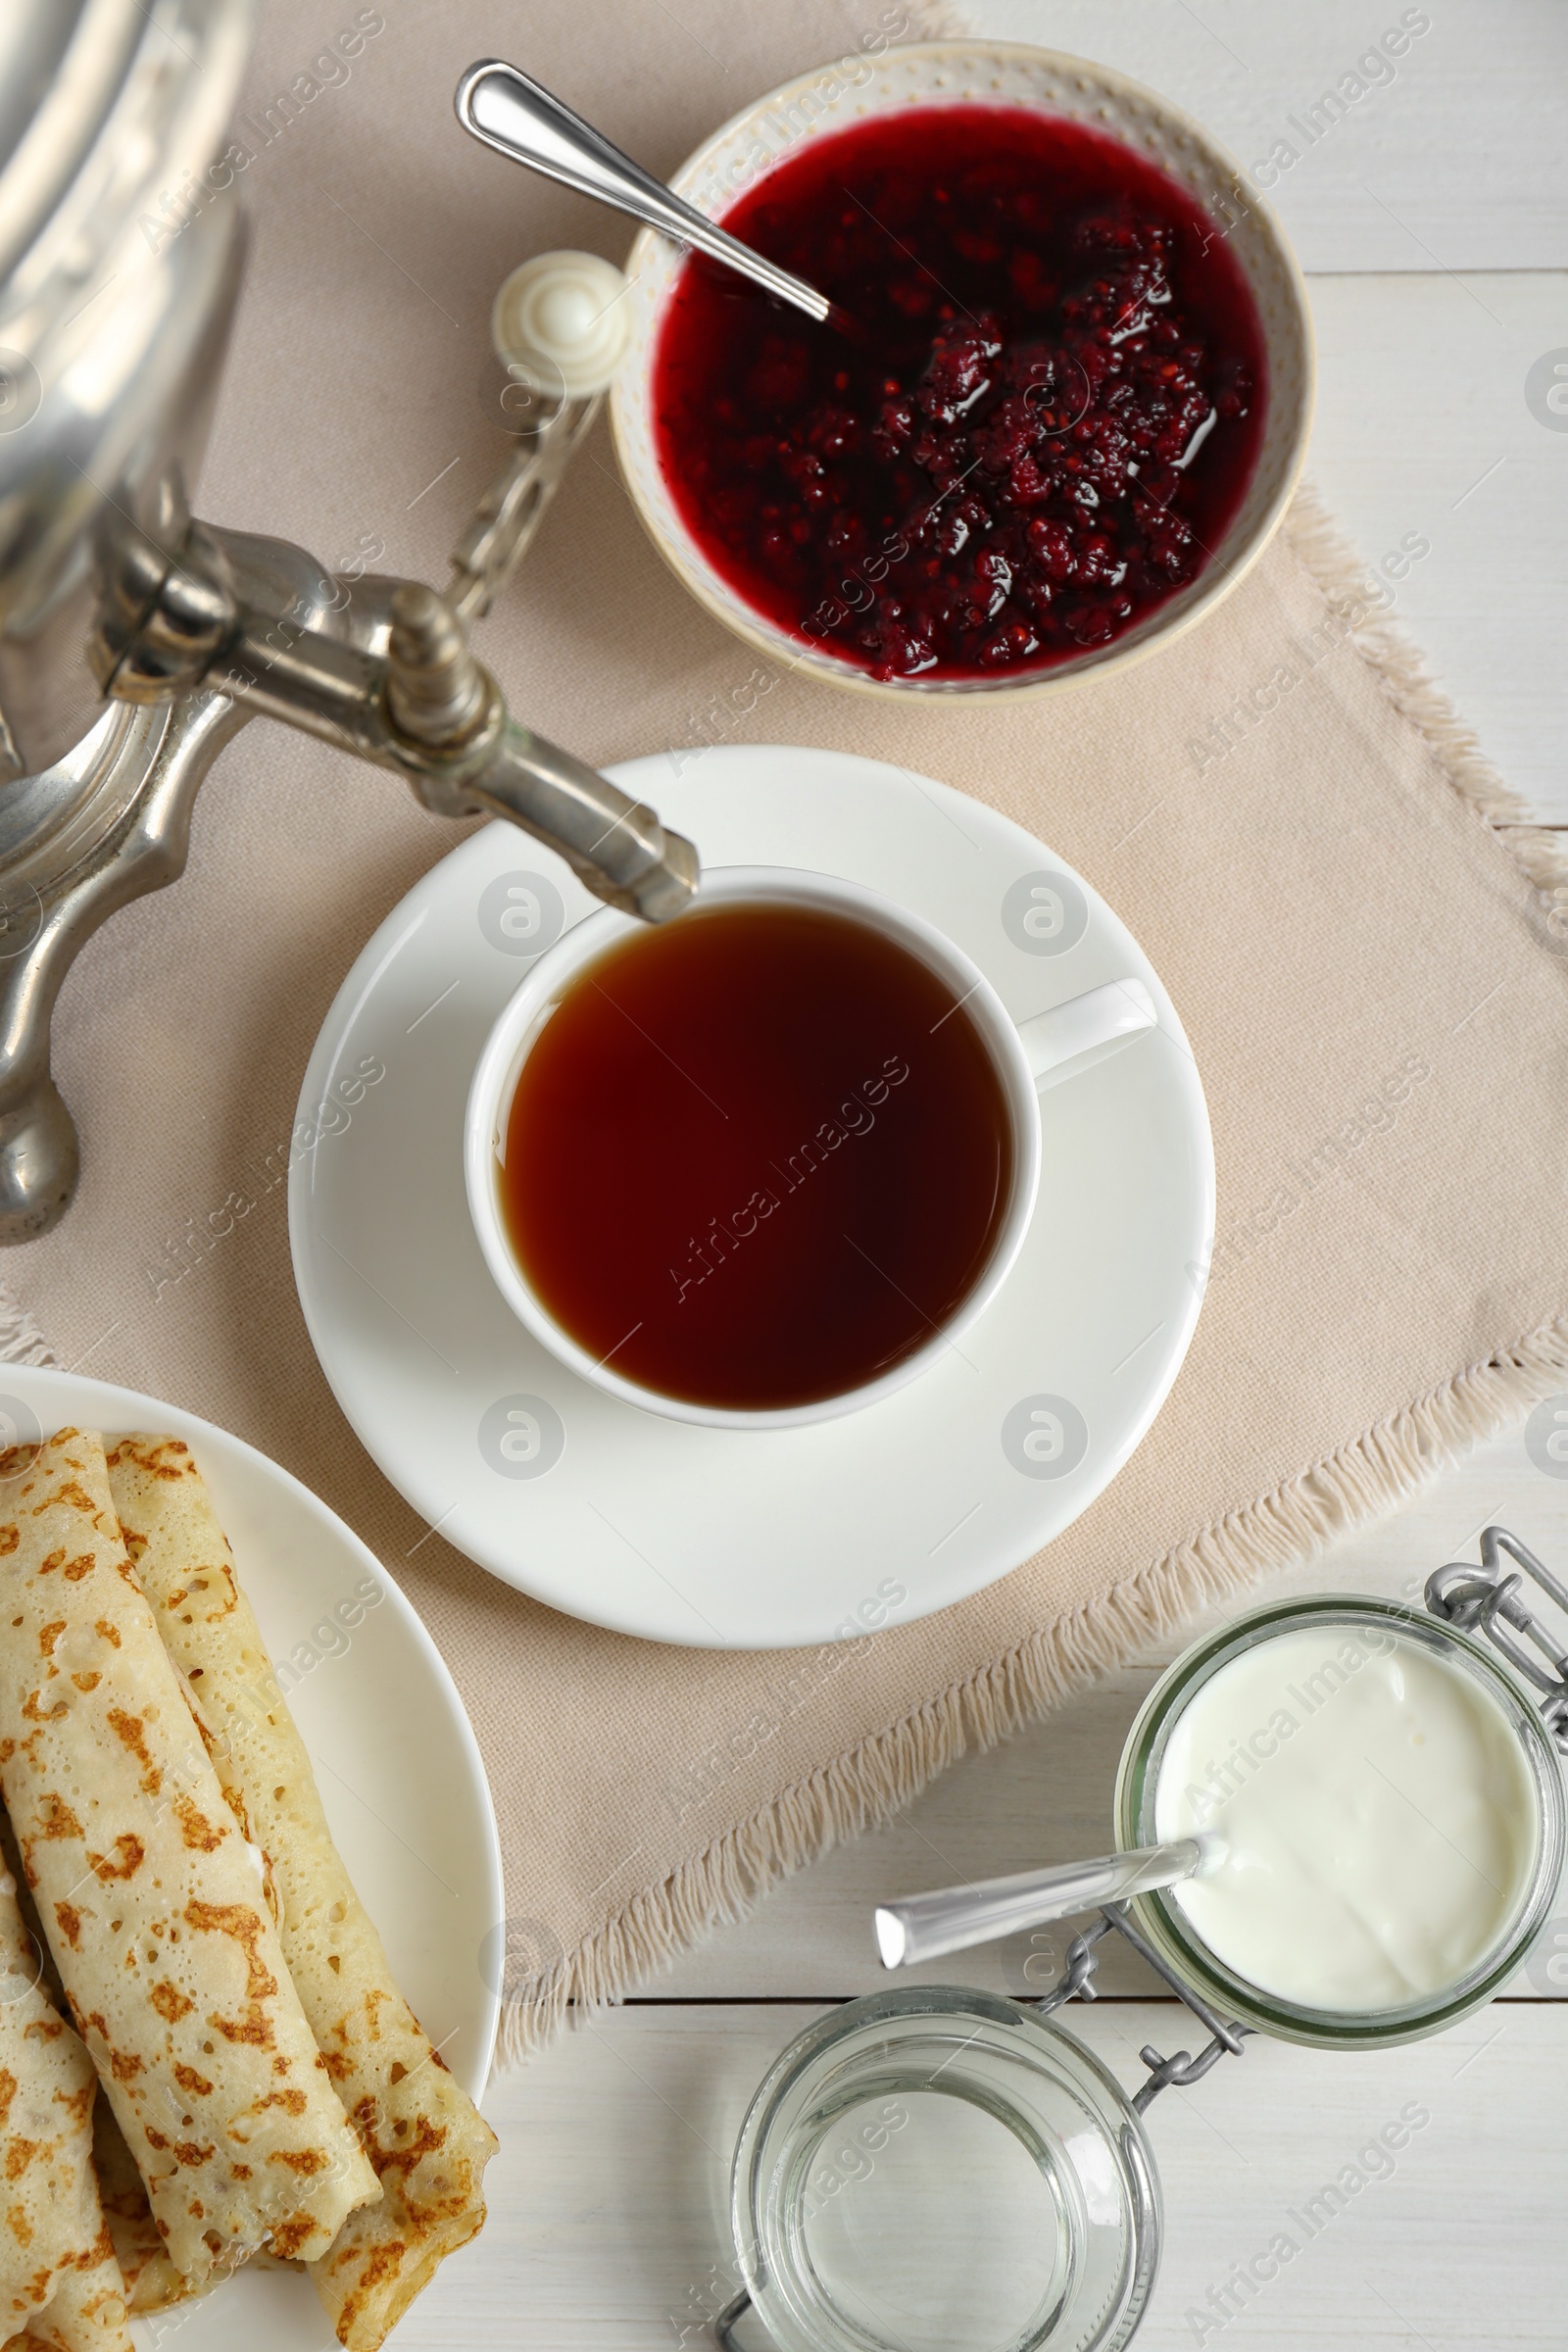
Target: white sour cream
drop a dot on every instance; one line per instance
(1379, 1816)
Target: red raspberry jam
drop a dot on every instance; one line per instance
(1048, 429)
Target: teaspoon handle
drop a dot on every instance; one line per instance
(518, 118)
(927, 1927)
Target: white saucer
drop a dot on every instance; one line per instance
(394, 1754)
(745, 1540)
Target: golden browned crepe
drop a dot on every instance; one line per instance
(59, 2282)
(151, 2281)
(150, 1896)
(424, 2137)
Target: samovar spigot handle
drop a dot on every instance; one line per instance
(443, 704)
(436, 689)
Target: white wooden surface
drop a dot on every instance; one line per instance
(1433, 224)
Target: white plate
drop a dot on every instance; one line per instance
(740, 1539)
(412, 1815)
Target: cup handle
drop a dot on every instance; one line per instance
(1074, 1036)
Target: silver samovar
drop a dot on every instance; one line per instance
(135, 640)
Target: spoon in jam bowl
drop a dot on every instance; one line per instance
(519, 118)
(928, 1926)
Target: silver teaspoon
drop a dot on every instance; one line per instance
(927, 1927)
(519, 118)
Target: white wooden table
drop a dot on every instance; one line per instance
(1431, 223)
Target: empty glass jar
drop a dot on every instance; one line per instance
(939, 2171)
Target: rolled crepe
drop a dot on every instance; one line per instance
(150, 1896)
(59, 2282)
(151, 2281)
(425, 2137)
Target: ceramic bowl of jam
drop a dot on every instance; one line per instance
(1073, 411)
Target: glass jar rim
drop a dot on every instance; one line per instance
(1161, 1918)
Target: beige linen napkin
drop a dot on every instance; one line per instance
(1376, 991)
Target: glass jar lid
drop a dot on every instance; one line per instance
(931, 2170)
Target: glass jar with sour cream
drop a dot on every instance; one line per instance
(1389, 1813)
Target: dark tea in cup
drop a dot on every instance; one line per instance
(757, 1158)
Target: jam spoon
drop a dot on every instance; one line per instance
(927, 1927)
(518, 118)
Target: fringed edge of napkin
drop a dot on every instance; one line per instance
(938, 21)
(1359, 1482)
(20, 1340)
(1541, 852)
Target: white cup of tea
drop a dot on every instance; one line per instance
(1024, 1059)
